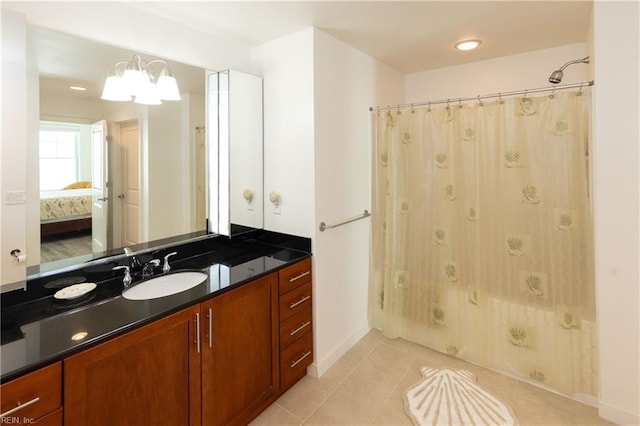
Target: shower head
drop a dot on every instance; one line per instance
(556, 76)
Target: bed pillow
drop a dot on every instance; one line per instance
(78, 185)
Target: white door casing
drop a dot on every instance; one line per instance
(99, 195)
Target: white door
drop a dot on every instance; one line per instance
(130, 175)
(99, 195)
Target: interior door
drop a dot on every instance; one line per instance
(130, 178)
(99, 195)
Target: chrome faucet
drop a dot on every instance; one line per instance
(147, 269)
(165, 267)
(134, 262)
(126, 280)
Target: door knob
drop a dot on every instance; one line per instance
(121, 196)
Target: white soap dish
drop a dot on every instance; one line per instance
(74, 291)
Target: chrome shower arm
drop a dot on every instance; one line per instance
(584, 60)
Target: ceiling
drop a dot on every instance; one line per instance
(410, 36)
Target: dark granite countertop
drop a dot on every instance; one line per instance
(37, 329)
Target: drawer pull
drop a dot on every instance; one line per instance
(304, 299)
(210, 335)
(297, 277)
(299, 360)
(302, 325)
(20, 407)
(197, 342)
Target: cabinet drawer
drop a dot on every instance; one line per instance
(33, 395)
(295, 327)
(295, 301)
(295, 359)
(294, 276)
(53, 419)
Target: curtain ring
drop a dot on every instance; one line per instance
(412, 110)
(480, 101)
(526, 92)
(460, 103)
(448, 103)
(579, 91)
(429, 106)
(398, 109)
(500, 99)
(553, 93)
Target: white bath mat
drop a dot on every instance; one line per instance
(452, 397)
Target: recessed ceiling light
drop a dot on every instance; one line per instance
(78, 88)
(468, 44)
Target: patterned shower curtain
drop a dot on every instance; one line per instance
(483, 238)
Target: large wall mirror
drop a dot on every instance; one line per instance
(112, 174)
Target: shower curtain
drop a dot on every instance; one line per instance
(482, 240)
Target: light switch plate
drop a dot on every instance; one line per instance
(15, 197)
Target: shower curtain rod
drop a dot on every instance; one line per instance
(480, 98)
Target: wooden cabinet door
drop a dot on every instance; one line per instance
(240, 355)
(149, 376)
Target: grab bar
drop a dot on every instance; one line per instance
(324, 226)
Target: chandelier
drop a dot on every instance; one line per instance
(137, 82)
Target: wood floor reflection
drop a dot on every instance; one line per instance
(65, 246)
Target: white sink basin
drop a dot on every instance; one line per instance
(165, 285)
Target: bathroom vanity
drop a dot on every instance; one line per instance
(219, 353)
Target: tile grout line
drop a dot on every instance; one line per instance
(333, 391)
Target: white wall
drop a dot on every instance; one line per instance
(193, 115)
(508, 73)
(346, 83)
(317, 135)
(166, 162)
(616, 210)
(286, 66)
(245, 148)
(13, 150)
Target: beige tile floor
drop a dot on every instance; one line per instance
(366, 385)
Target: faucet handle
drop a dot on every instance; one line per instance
(165, 266)
(127, 274)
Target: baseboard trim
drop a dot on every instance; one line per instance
(319, 367)
(617, 415)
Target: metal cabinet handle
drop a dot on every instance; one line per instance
(210, 334)
(297, 277)
(302, 325)
(294, 304)
(20, 407)
(103, 199)
(299, 360)
(198, 333)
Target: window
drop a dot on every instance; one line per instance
(58, 155)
